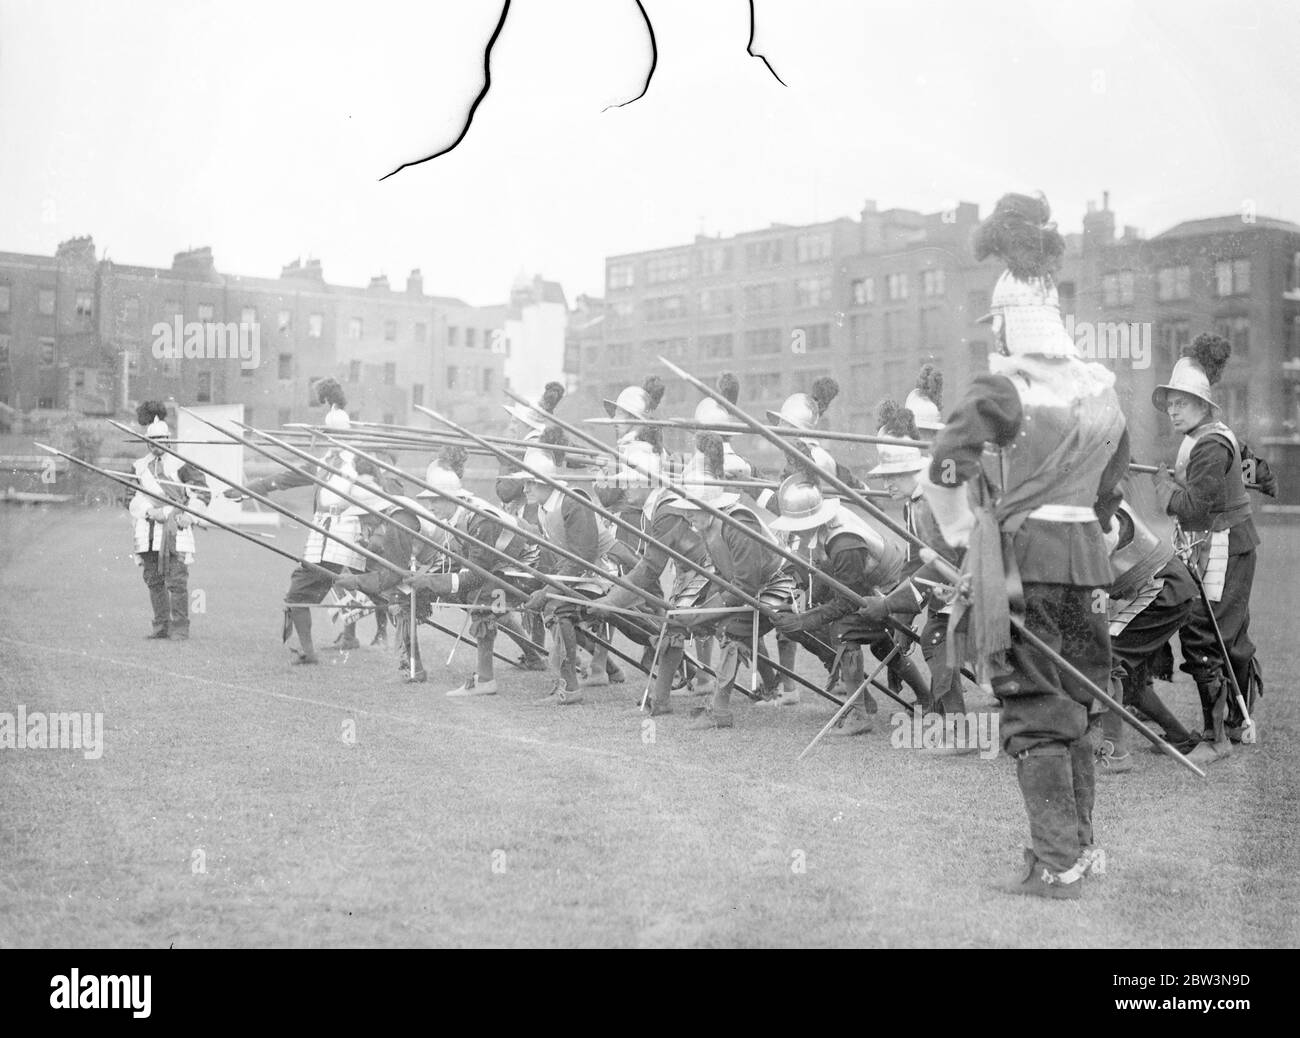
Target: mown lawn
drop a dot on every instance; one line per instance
(496, 822)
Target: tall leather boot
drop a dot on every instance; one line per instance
(159, 599)
(1113, 754)
(1214, 701)
(302, 626)
(1146, 700)
(906, 670)
(857, 721)
(1092, 859)
(1046, 782)
(670, 658)
(719, 715)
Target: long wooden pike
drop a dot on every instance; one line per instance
(734, 429)
(184, 508)
(848, 703)
(751, 600)
(949, 571)
(427, 437)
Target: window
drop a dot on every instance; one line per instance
(452, 376)
(129, 314)
(667, 268)
(453, 335)
(619, 275)
(354, 371)
(417, 394)
(1232, 277)
(203, 394)
(817, 337)
(858, 331)
(489, 380)
(387, 418)
(355, 328)
(284, 322)
(810, 247)
(245, 372)
(4, 350)
(763, 253)
(931, 325)
(715, 260)
(315, 325)
(673, 349)
(763, 340)
(248, 315)
(760, 297)
(45, 302)
(864, 291)
(282, 416)
(812, 291)
(715, 301)
(45, 403)
(285, 367)
(390, 374)
(206, 313)
(46, 347)
(1117, 288)
(932, 283)
(85, 304)
(887, 322)
(896, 287)
(5, 299)
(665, 308)
(1173, 283)
(716, 347)
(390, 331)
(1172, 337)
(471, 338)
(1292, 338)
(1236, 330)
(765, 386)
(421, 332)
(1292, 278)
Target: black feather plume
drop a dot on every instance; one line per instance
(654, 389)
(929, 381)
(823, 391)
(1211, 352)
(653, 435)
(553, 435)
(149, 410)
(551, 397)
(453, 457)
(1019, 232)
(710, 446)
(729, 386)
(328, 391)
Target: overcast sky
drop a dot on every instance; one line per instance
(262, 128)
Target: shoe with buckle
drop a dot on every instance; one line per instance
(302, 659)
(1206, 752)
(708, 720)
(534, 662)
(158, 634)
(1091, 863)
(473, 687)
(418, 678)
(1110, 762)
(855, 723)
(1037, 880)
(560, 696)
(345, 644)
(785, 697)
(380, 640)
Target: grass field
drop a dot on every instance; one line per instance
(495, 822)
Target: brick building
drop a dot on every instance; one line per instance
(79, 335)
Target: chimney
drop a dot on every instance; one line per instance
(296, 269)
(1105, 201)
(380, 282)
(415, 283)
(1099, 225)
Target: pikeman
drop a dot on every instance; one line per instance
(634, 404)
(926, 400)
(307, 584)
(164, 535)
(901, 469)
(804, 411)
(531, 420)
(709, 412)
(573, 526)
(1206, 494)
(443, 577)
(847, 548)
(742, 561)
(667, 526)
(1039, 548)
(1151, 597)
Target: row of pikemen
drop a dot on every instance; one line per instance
(745, 556)
(1030, 544)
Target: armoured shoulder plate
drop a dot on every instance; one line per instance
(888, 552)
(1139, 559)
(1236, 503)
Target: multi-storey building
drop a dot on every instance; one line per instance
(81, 335)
